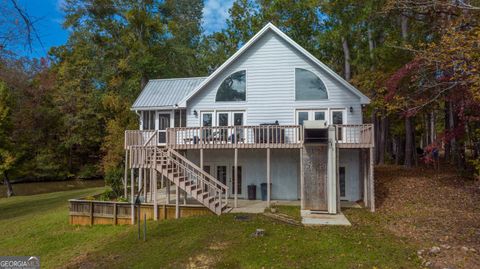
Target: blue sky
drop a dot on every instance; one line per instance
(48, 16)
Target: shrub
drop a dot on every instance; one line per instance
(113, 179)
(88, 171)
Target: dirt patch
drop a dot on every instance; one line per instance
(218, 246)
(432, 209)
(201, 261)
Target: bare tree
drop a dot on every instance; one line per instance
(17, 27)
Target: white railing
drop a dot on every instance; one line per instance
(360, 134)
(235, 136)
(139, 138)
(204, 181)
(246, 136)
(169, 161)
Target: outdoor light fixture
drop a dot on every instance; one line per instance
(195, 113)
(351, 109)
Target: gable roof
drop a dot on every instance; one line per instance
(165, 93)
(363, 99)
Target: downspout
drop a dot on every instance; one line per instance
(139, 120)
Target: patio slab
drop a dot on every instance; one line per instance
(313, 219)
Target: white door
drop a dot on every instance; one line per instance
(311, 114)
(164, 121)
(338, 118)
(230, 118)
(224, 172)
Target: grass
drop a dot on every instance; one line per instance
(291, 211)
(31, 188)
(38, 225)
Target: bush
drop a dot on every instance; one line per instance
(113, 179)
(108, 195)
(88, 171)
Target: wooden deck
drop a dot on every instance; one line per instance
(246, 137)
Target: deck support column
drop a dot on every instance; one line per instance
(155, 200)
(201, 159)
(177, 202)
(235, 177)
(125, 177)
(132, 201)
(302, 182)
(269, 179)
(371, 183)
(140, 178)
(365, 164)
(168, 190)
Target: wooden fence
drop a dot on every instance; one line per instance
(85, 212)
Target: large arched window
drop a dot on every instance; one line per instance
(308, 86)
(233, 88)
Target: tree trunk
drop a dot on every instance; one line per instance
(383, 135)
(371, 46)
(446, 129)
(346, 55)
(404, 25)
(433, 128)
(408, 142)
(6, 182)
(451, 127)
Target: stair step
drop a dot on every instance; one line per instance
(209, 199)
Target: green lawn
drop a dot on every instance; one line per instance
(30, 188)
(38, 225)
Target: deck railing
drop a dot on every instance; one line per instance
(260, 136)
(139, 138)
(235, 136)
(354, 135)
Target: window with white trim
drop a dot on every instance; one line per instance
(309, 86)
(233, 88)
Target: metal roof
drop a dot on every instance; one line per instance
(164, 93)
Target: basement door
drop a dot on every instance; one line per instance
(315, 160)
(222, 174)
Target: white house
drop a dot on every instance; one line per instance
(272, 113)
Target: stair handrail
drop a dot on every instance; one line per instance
(219, 188)
(207, 175)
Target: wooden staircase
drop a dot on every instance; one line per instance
(200, 185)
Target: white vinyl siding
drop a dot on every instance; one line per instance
(270, 65)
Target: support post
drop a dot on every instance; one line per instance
(145, 189)
(201, 159)
(337, 176)
(365, 165)
(155, 200)
(91, 213)
(235, 177)
(115, 217)
(132, 189)
(125, 177)
(371, 182)
(269, 179)
(177, 202)
(302, 182)
(168, 190)
(184, 197)
(140, 178)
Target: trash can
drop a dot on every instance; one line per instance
(252, 192)
(263, 187)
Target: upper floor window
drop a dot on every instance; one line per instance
(308, 86)
(148, 121)
(233, 88)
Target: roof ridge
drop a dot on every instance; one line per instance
(177, 78)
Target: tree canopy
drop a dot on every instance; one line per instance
(65, 115)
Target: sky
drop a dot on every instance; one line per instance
(49, 17)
